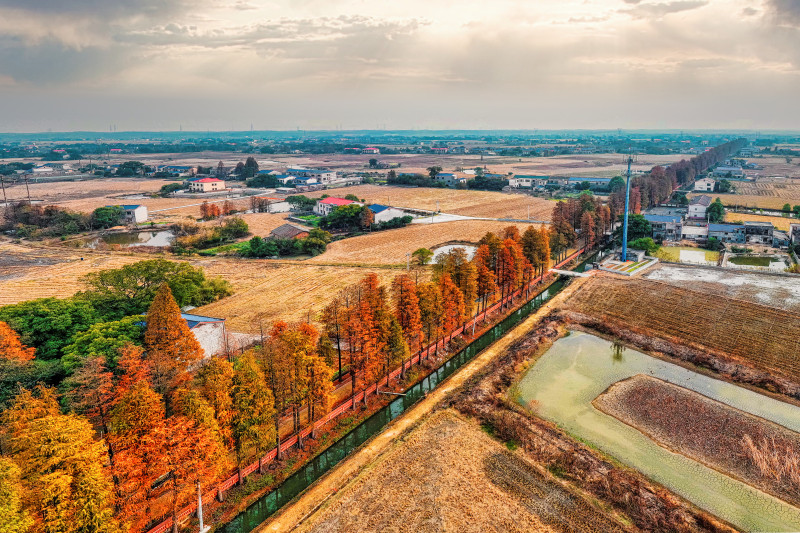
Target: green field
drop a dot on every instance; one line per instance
(751, 260)
(673, 253)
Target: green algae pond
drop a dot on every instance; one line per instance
(577, 368)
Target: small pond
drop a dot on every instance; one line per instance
(135, 238)
(579, 367)
(442, 250)
(759, 262)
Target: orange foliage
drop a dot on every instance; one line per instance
(11, 348)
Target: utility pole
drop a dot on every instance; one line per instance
(3, 185)
(27, 189)
(625, 218)
(203, 529)
(408, 260)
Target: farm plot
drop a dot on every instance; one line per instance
(265, 291)
(781, 223)
(765, 337)
(450, 476)
(391, 247)
(58, 192)
(486, 204)
(700, 428)
(781, 291)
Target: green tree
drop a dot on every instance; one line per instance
(724, 186)
(422, 256)
(638, 227)
(645, 243)
(250, 168)
(103, 339)
(106, 217)
(617, 183)
(716, 211)
(787, 208)
(434, 171)
(48, 324)
(129, 290)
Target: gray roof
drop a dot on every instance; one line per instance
(288, 231)
(725, 228)
(701, 200)
(663, 218)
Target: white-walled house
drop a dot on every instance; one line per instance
(704, 185)
(384, 213)
(209, 332)
(135, 214)
(206, 185)
(698, 206)
(326, 205)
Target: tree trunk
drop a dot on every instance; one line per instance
(353, 385)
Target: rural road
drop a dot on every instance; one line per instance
(308, 503)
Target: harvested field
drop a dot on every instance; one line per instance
(763, 337)
(781, 223)
(391, 246)
(59, 192)
(265, 290)
(700, 428)
(486, 204)
(448, 475)
(261, 224)
(775, 290)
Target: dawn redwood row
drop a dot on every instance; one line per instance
(657, 186)
(141, 431)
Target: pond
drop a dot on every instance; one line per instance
(446, 249)
(135, 238)
(760, 262)
(579, 367)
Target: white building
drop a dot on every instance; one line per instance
(528, 182)
(135, 214)
(704, 185)
(734, 172)
(450, 179)
(209, 332)
(207, 185)
(698, 206)
(384, 213)
(322, 176)
(325, 206)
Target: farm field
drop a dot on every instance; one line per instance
(764, 193)
(781, 223)
(391, 247)
(448, 475)
(774, 165)
(765, 337)
(261, 224)
(780, 291)
(487, 204)
(676, 254)
(700, 428)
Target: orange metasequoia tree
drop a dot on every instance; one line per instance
(170, 346)
(11, 348)
(407, 310)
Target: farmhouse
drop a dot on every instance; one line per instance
(206, 185)
(594, 183)
(694, 233)
(385, 213)
(134, 214)
(305, 181)
(370, 150)
(698, 206)
(322, 176)
(289, 231)
(733, 172)
(780, 239)
(209, 332)
(734, 233)
(665, 227)
(758, 232)
(451, 180)
(794, 233)
(704, 185)
(528, 182)
(324, 207)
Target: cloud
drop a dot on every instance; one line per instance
(749, 11)
(785, 11)
(99, 8)
(662, 9)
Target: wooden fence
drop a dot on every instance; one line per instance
(345, 405)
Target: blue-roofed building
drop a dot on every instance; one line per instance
(385, 213)
(134, 214)
(666, 227)
(734, 233)
(450, 179)
(594, 183)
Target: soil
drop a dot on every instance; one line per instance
(698, 427)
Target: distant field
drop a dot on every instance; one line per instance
(774, 166)
(763, 193)
(448, 475)
(767, 337)
(782, 223)
(391, 247)
(461, 202)
(761, 202)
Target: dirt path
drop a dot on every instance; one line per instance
(313, 498)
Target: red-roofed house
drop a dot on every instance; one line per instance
(324, 207)
(370, 150)
(206, 185)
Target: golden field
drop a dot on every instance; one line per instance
(781, 223)
(391, 247)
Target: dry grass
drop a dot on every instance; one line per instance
(391, 246)
(700, 428)
(766, 338)
(265, 291)
(461, 202)
(61, 191)
(782, 223)
(260, 224)
(450, 476)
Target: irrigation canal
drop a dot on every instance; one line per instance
(265, 507)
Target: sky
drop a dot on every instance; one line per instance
(148, 65)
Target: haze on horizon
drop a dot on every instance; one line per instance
(358, 64)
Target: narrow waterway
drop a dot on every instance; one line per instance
(261, 510)
(579, 367)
